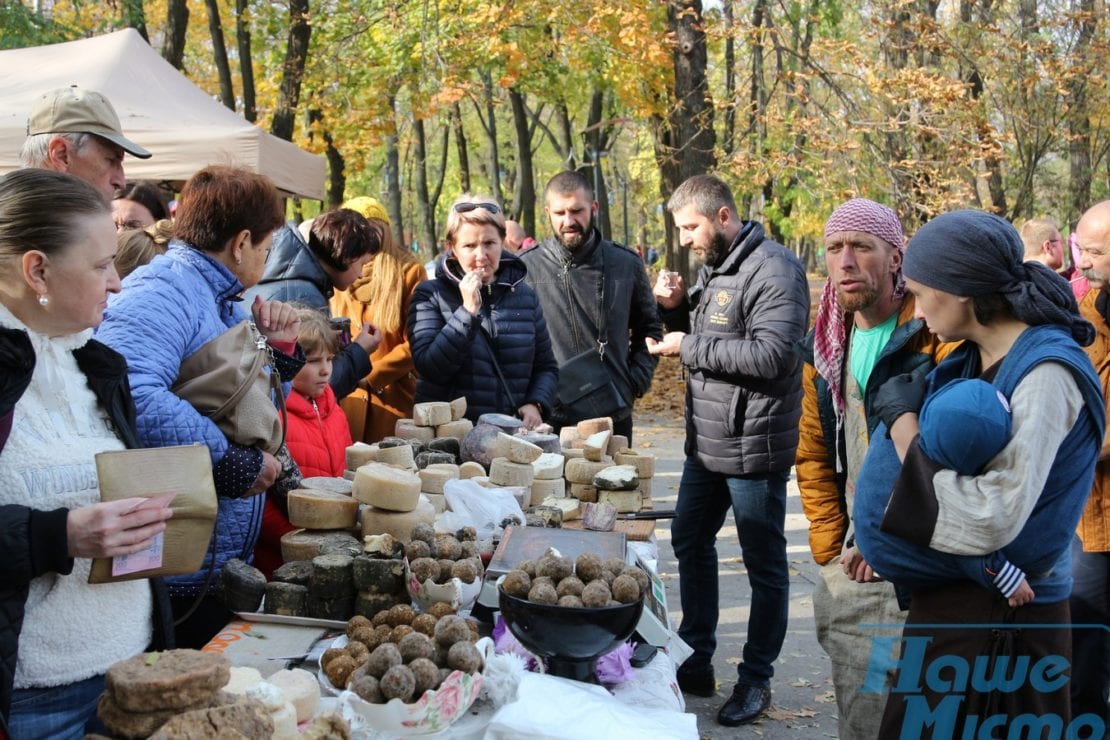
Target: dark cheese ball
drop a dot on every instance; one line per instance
(467, 534)
(543, 593)
(543, 581)
(398, 683)
(445, 568)
(615, 565)
(426, 674)
(554, 567)
(382, 633)
(339, 669)
(364, 633)
(570, 586)
(416, 645)
(463, 656)
(468, 550)
(354, 623)
(401, 614)
(596, 594)
(446, 547)
(358, 651)
(374, 638)
(367, 689)
(417, 549)
(607, 576)
(517, 583)
(570, 600)
(529, 567)
(641, 577)
(625, 589)
(424, 569)
(380, 618)
(400, 632)
(465, 571)
(451, 629)
(423, 532)
(384, 657)
(330, 654)
(587, 567)
(440, 609)
(425, 624)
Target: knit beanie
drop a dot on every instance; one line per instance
(974, 253)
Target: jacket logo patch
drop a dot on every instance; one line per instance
(718, 319)
(723, 298)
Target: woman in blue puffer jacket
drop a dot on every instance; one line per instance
(168, 310)
(477, 330)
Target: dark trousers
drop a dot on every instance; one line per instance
(1090, 605)
(207, 620)
(759, 506)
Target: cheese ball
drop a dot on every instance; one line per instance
(358, 651)
(517, 583)
(529, 567)
(399, 633)
(615, 565)
(451, 629)
(587, 567)
(440, 609)
(463, 656)
(468, 550)
(398, 683)
(384, 657)
(596, 594)
(424, 569)
(355, 623)
(339, 669)
(467, 534)
(416, 645)
(366, 687)
(401, 614)
(331, 654)
(570, 600)
(543, 593)
(417, 549)
(426, 674)
(465, 571)
(640, 576)
(423, 532)
(425, 624)
(446, 547)
(445, 568)
(571, 585)
(362, 633)
(625, 589)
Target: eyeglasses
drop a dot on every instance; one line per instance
(468, 207)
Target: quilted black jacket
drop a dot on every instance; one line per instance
(34, 542)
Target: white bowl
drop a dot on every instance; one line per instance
(461, 596)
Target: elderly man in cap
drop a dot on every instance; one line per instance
(77, 131)
(865, 332)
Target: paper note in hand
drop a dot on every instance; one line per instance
(149, 557)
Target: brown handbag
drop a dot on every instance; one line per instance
(227, 381)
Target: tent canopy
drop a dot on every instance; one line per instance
(159, 109)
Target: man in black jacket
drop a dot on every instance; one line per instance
(576, 269)
(736, 333)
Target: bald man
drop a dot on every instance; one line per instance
(1090, 597)
(1042, 241)
(514, 236)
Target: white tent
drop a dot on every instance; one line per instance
(159, 109)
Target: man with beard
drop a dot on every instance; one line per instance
(736, 333)
(865, 333)
(588, 285)
(1090, 596)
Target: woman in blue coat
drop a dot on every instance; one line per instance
(477, 330)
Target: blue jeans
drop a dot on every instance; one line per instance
(56, 713)
(759, 506)
(1090, 604)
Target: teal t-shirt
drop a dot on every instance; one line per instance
(867, 345)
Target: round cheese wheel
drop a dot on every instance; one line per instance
(407, 429)
(644, 462)
(305, 544)
(322, 510)
(471, 469)
(504, 472)
(300, 689)
(387, 487)
(359, 454)
(397, 523)
(582, 471)
(541, 488)
(433, 480)
(457, 429)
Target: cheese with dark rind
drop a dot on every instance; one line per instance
(451, 445)
(433, 457)
(241, 586)
(305, 544)
(173, 679)
(368, 604)
(338, 608)
(296, 572)
(379, 575)
(286, 599)
(315, 509)
(617, 478)
(332, 576)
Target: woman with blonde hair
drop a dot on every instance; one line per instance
(381, 297)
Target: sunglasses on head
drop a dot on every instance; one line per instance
(468, 207)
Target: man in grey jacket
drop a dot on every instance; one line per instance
(573, 273)
(736, 333)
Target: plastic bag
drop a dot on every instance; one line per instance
(471, 505)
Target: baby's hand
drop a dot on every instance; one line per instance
(1022, 596)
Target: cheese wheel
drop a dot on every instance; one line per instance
(321, 510)
(242, 678)
(585, 492)
(569, 506)
(335, 485)
(458, 408)
(596, 445)
(644, 487)
(387, 487)
(409, 429)
(586, 427)
(483, 481)
(471, 469)
(305, 544)
(568, 436)
(359, 454)
(439, 501)
(617, 443)
(582, 471)
(433, 481)
(504, 472)
(300, 688)
(431, 414)
(623, 501)
(400, 456)
(398, 524)
(456, 428)
(573, 453)
(449, 467)
(644, 462)
(548, 466)
(516, 450)
(545, 488)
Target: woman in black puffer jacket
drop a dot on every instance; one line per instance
(477, 330)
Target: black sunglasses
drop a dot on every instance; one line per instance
(468, 207)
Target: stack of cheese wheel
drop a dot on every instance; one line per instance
(644, 462)
(618, 485)
(394, 501)
(435, 419)
(433, 478)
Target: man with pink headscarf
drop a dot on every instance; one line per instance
(865, 333)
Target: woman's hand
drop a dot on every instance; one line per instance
(113, 528)
(369, 338)
(277, 321)
(470, 287)
(271, 469)
(530, 415)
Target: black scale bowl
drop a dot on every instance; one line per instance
(570, 638)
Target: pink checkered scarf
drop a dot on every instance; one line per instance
(830, 334)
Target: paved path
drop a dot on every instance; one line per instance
(803, 705)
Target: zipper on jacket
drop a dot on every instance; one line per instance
(570, 306)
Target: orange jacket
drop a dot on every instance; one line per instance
(821, 487)
(1094, 526)
(392, 378)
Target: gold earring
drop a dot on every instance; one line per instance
(44, 300)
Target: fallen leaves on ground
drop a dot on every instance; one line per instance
(667, 396)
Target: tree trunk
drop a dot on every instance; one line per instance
(219, 52)
(566, 139)
(296, 54)
(393, 177)
(525, 195)
(425, 227)
(135, 18)
(246, 66)
(594, 148)
(460, 146)
(730, 77)
(757, 98)
(491, 138)
(177, 20)
(1079, 121)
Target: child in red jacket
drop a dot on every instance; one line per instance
(316, 430)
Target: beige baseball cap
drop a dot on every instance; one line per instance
(71, 110)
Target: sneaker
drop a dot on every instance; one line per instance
(746, 703)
